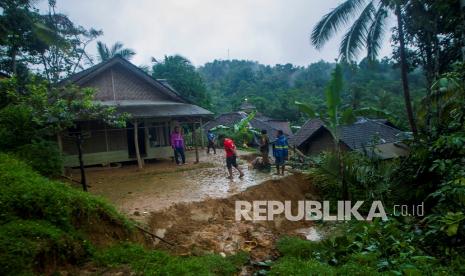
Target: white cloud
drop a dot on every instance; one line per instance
(269, 31)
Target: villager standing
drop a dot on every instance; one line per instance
(280, 152)
(211, 141)
(265, 147)
(231, 157)
(177, 143)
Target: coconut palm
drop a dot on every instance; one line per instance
(366, 32)
(117, 49)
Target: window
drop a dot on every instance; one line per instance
(158, 134)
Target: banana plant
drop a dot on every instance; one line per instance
(242, 131)
(333, 101)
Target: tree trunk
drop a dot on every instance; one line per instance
(136, 145)
(404, 72)
(81, 162)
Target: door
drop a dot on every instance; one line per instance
(141, 138)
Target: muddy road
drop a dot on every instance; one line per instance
(161, 184)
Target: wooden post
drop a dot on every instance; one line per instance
(107, 148)
(81, 162)
(202, 134)
(140, 162)
(195, 144)
(60, 147)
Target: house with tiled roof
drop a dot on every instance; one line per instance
(372, 137)
(154, 108)
(259, 122)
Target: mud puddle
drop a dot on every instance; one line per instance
(161, 184)
(209, 226)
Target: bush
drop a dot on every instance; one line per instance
(16, 127)
(28, 245)
(39, 220)
(43, 156)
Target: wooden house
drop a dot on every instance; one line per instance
(154, 108)
(377, 138)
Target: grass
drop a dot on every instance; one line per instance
(150, 262)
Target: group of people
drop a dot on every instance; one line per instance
(280, 150)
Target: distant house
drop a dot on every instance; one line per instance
(372, 137)
(155, 105)
(259, 122)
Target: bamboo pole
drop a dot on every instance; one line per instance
(140, 162)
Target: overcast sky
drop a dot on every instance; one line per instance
(268, 31)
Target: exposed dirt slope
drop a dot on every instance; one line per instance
(210, 226)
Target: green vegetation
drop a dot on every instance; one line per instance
(148, 262)
(433, 174)
(117, 49)
(241, 132)
(184, 78)
(275, 89)
(46, 224)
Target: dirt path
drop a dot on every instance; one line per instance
(162, 184)
(210, 226)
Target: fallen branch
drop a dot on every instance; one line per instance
(155, 236)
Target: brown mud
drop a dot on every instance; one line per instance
(209, 226)
(193, 206)
(161, 183)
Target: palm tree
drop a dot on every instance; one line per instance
(105, 53)
(366, 32)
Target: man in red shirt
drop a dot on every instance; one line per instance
(231, 156)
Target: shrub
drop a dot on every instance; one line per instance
(43, 156)
(29, 245)
(39, 220)
(16, 127)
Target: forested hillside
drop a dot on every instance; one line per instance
(274, 89)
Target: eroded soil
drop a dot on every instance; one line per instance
(210, 226)
(193, 206)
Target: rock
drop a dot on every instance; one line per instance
(222, 254)
(310, 196)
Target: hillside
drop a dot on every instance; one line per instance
(274, 89)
